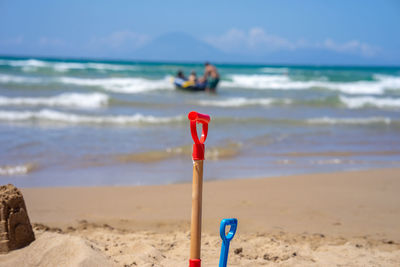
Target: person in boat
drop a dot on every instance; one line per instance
(193, 77)
(180, 75)
(190, 84)
(211, 75)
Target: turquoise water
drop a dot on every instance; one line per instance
(81, 122)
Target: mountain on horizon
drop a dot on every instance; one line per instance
(178, 46)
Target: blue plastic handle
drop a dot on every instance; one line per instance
(226, 239)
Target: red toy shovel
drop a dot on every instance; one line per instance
(197, 187)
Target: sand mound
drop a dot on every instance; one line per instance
(52, 249)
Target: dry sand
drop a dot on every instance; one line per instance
(337, 219)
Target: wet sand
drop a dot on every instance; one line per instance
(349, 218)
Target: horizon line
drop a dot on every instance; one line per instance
(110, 59)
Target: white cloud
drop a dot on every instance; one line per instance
(354, 46)
(258, 40)
(255, 39)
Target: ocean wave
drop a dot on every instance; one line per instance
(121, 85)
(17, 169)
(306, 121)
(23, 63)
(66, 66)
(256, 81)
(47, 115)
(359, 102)
(69, 100)
(29, 65)
(283, 82)
(356, 121)
(330, 161)
(241, 101)
(4, 78)
(117, 85)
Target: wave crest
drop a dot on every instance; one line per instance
(71, 118)
(30, 65)
(360, 121)
(69, 100)
(117, 85)
(17, 169)
(241, 101)
(121, 85)
(283, 82)
(359, 102)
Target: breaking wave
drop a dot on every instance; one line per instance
(19, 79)
(349, 102)
(69, 100)
(47, 115)
(121, 85)
(377, 86)
(282, 82)
(117, 85)
(359, 102)
(17, 169)
(29, 65)
(359, 121)
(241, 101)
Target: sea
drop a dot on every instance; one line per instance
(70, 122)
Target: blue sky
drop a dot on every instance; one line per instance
(348, 32)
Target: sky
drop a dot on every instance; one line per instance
(364, 32)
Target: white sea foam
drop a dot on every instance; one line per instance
(17, 169)
(23, 63)
(4, 78)
(361, 121)
(121, 85)
(329, 161)
(283, 82)
(358, 102)
(118, 85)
(241, 101)
(256, 81)
(66, 66)
(70, 100)
(72, 118)
(34, 64)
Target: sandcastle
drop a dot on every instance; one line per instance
(15, 227)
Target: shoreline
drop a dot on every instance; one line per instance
(207, 180)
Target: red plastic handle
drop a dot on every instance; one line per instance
(195, 116)
(198, 146)
(204, 119)
(194, 263)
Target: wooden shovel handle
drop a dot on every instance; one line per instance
(197, 192)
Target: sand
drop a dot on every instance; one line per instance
(347, 219)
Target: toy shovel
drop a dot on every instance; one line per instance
(197, 187)
(226, 239)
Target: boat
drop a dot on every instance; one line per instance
(190, 86)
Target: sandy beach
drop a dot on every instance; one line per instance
(335, 219)
(109, 110)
